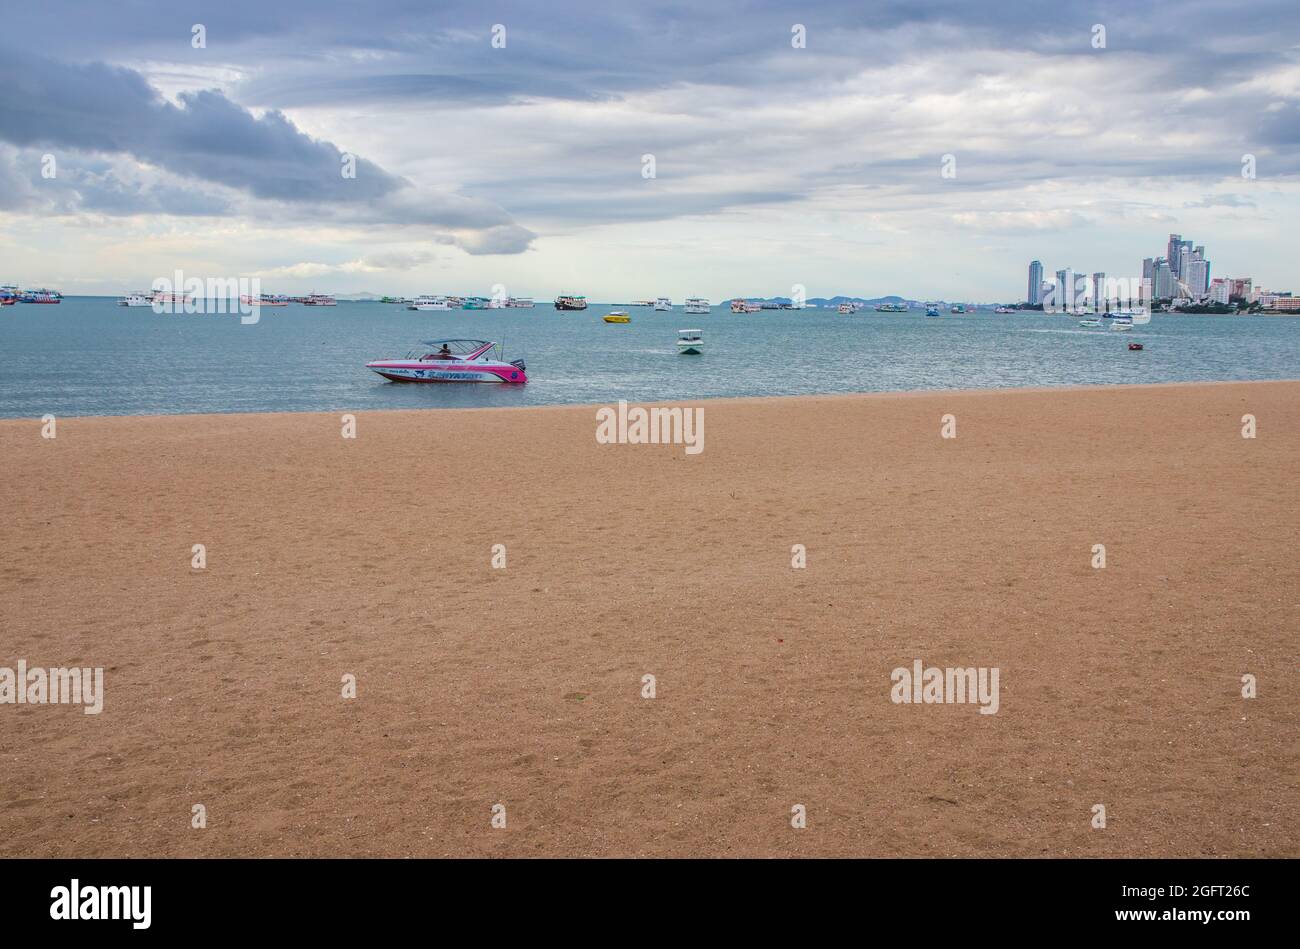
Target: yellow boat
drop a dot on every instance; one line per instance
(618, 316)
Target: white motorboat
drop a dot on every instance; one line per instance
(690, 342)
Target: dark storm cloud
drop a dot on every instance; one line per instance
(82, 110)
(100, 108)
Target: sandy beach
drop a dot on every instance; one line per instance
(372, 557)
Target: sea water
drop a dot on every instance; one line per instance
(88, 356)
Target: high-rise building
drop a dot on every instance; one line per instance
(1035, 282)
(1220, 290)
(1166, 284)
(1148, 278)
(1065, 289)
(1172, 251)
(1099, 291)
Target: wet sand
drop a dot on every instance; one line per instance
(523, 686)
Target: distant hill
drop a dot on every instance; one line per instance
(825, 301)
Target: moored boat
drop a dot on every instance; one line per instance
(137, 298)
(521, 302)
(319, 299)
(40, 296)
(452, 360)
(697, 305)
(663, 303)
(569, 302)
(429, 303)
(8, 295)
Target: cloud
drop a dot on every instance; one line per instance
(390, 261)
(98, 109)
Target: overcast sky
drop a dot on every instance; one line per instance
(523, 165)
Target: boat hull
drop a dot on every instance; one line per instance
(404, 371)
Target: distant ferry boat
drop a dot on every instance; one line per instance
(643, 302)
(524, 302)
(570, 303)
(137, 298)
(663, 303)
(1004, 309)
(319, 299)
(741, 306)
(891, 307)
(8, 296)
(429, 303)
(697, 305)
(40, 296)
(398, 300)
(265, 299)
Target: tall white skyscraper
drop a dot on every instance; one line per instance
(1035, 282)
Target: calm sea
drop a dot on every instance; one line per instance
(88, 356)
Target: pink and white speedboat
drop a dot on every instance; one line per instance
(452, 360)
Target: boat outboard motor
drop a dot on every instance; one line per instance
(519, 364)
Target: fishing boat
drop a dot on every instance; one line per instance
(958, 308)
(663, 303)
(846, 308)
(429, 303)
(8, 295)
(452, 360)
(567, 302)
(697, 305)
(617, 316)
(476, 303)
(690, 342)
(40, 296)
(137, 298)
(319, 299)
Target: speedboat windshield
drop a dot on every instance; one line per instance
(452, 349)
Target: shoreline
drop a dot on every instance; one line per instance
(709, 400)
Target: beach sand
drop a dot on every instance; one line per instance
(523, 686)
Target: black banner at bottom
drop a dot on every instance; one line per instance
(141, 898)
